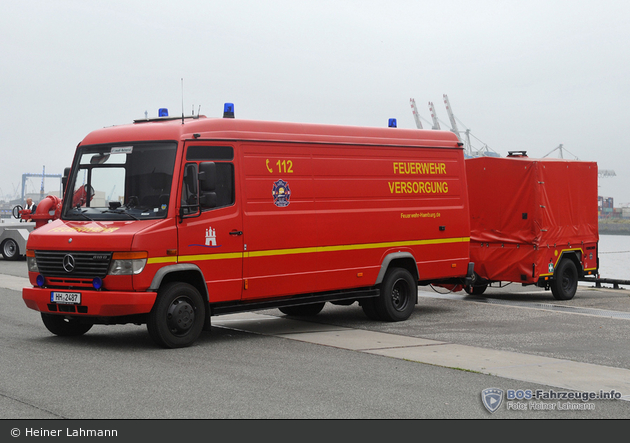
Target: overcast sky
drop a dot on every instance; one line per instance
(521, 75)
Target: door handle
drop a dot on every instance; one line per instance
(236, 232)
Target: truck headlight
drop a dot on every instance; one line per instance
(128, 263)
(31, 261)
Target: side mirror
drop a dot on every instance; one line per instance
(64, 180)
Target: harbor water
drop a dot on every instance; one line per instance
(614, 256)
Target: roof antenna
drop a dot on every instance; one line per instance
(182, 100)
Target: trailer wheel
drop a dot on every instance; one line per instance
(477, 289)
(399, 292)
(64, 326)
(565, 280)
(10, 249)
(303, 310)
(178, 316)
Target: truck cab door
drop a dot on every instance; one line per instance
(210, 223)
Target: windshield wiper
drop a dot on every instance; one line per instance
(81, 213)
(119, 211)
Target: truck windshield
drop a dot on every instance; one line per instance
(120, 182)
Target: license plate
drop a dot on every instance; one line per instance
(65, 298)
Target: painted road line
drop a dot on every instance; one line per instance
(546, 371)
(594, 312)
(558, 373)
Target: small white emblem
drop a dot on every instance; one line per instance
(211, 237)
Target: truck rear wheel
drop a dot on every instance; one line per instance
(565, 280)
(303, 310)
(399, 292)
(64, 326)
(10, 249)
(369, 309)
(177, 317)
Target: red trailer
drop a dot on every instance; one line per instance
(533, 221)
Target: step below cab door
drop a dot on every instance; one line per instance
(210, 228)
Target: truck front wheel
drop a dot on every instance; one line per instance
(64, 326)
(177, 317)
(399, 292)
(565, 280)
(10, 249)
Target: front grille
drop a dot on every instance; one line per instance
(86, 264)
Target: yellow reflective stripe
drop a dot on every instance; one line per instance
(278, 252)
(397, 244)
(210, 256)
(281, 252)
(169, 259)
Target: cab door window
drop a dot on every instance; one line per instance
(208, 179)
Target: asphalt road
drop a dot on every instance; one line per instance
(265, 365)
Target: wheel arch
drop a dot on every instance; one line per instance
(574, 256)
(399, 260)
(186, 272)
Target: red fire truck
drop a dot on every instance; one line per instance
(169, 221)
(533, 221)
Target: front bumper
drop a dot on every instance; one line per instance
(93, 303)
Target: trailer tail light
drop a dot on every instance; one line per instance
(128, 263)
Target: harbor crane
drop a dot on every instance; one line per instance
(43, 175)
(600, 172)
(414, 111)
(465, 140)
(436, 123)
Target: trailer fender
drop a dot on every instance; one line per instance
(400, 259)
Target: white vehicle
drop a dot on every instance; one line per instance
(13, 237)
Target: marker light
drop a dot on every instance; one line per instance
(40, 280)
(228, 110)
(163, 112)
(392, 123)
(97, 282)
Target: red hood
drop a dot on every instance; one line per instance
(80, 235)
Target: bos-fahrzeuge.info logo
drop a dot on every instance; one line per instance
(544, 400)
(492, 398)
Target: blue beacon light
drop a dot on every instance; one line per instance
(163, 112)
(228, 110)
(392, 123)
(40, 280)
(97, 282)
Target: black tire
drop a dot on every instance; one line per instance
(303, 310)
(399, 293)
(178, 316)
(369, 309)
(565, 280)
(10, 249)
(476, 289)
(65, 326)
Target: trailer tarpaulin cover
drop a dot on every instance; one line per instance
(519, 205)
